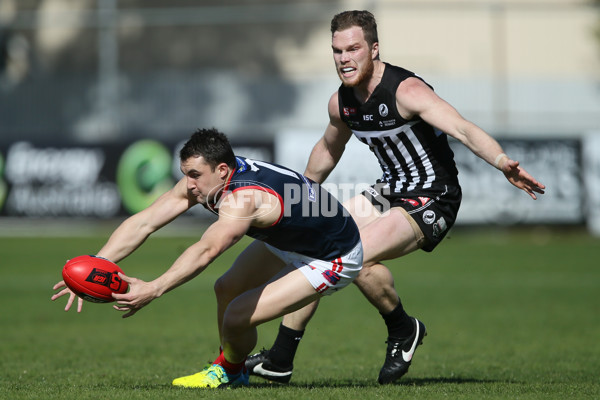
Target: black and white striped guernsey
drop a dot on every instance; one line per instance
(413, 155)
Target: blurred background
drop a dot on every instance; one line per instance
(96, 96)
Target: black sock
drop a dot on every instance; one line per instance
(284, 349)
(399, 324)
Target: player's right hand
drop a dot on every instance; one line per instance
(68, 291)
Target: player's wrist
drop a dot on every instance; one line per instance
(157, 289)
(500, 161)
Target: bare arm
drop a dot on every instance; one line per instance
(329, 149)
(219, 237)
(135, 230)
(416, 98)
(235, 218)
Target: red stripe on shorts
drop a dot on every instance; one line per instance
(321, 288)
(337, 265)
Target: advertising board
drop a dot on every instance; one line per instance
(488, 198)
(103, 181)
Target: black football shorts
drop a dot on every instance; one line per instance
(433, 211)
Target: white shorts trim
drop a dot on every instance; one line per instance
(326, 277)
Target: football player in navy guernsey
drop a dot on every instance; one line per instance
(414, 204)
(307, 246)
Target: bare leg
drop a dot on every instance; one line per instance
(376, 283)
(386, 236)
(299, 319)
(257, 265)
(288, 292)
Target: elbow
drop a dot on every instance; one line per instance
(138, 223)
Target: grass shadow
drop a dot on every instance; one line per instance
(446, 380)
(371, 383)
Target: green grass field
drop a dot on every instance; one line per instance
(510, 315)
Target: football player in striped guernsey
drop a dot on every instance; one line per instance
(414, 203)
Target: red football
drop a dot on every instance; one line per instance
(93, 278)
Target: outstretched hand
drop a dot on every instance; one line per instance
(521, 178)
(68, 291)
(140, 295)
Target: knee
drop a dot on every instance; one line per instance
(365, 273)
(223, 289)
(374, 274)
(235, 319)
(362, 278)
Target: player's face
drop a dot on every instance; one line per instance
(203, 183)
(353, 57)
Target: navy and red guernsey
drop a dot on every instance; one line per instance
(312, 223)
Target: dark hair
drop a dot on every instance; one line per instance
(363, 19)
(212, 145)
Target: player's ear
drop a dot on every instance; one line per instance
(375, 51)
(223, 170)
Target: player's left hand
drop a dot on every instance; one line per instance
(72, 296)
(521, 178)
(140, 295)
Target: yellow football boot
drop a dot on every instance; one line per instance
(213, 377)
